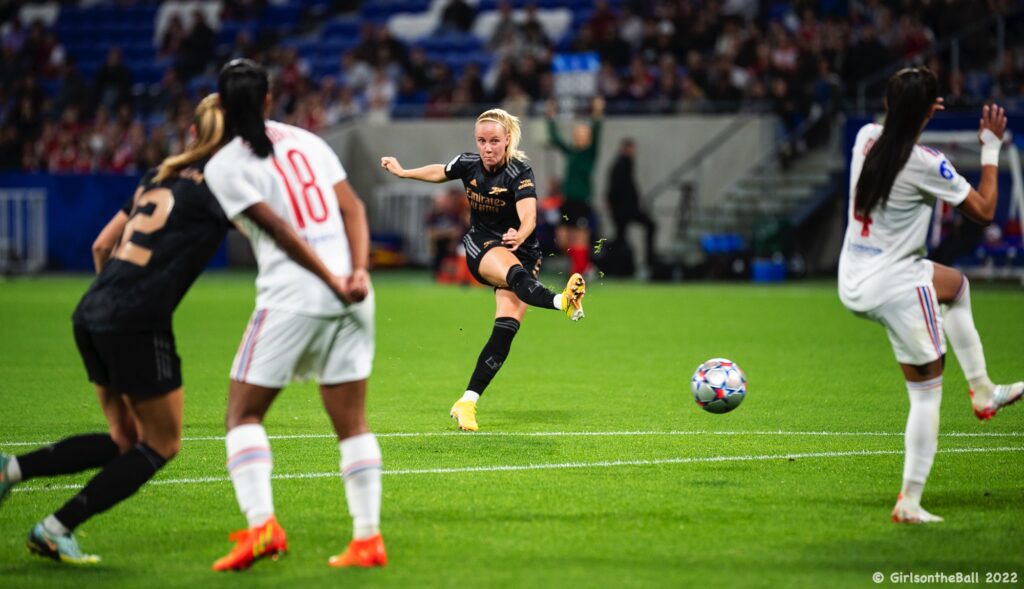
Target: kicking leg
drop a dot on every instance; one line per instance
(500, 268)
(361, 465)
(76, 453)
(953, 290)
(158, 420)
(921, 440)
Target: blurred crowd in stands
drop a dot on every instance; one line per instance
(664, 56)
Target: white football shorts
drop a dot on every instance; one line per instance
(282, 346)
(914, 323)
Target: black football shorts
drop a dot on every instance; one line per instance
(478, 243)
(138, 364)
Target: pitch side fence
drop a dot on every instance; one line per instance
(402, 210)
(22, 230)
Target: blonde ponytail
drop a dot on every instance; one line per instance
(511, 124)
(209, 123)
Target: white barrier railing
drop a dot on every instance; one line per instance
(403, 209)
(22, 230)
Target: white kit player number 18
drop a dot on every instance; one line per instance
(307, 182)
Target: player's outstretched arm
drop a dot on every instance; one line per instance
(553, 135)
(980, 204)
(297, 249)
(432, 173)
(357, 228)
(107, 240)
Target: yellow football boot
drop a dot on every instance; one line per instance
(572, 297)
(464, 412)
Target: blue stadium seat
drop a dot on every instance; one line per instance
(147, 73)
(466, 42)
(725, 243)
(581, 16)
(279, 16)
(87, 54)
(337, 46)
(201, 85)
(978, 84)
(139, 51)
(325, 66)
(88, 68)
(307, 48)
(154, 119)
(342, 28)
(564, 44)
(380, 10)
(50, 87)
(230, 29)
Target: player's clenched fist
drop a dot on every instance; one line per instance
(391, 164)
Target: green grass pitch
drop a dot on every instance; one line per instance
(594, 467)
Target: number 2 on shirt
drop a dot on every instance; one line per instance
(307, 182)
(145, 222)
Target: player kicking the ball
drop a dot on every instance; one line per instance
(883, 277)
(299, 329)
(501, 248)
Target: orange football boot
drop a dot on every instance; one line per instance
(362, 553)
(252, 545)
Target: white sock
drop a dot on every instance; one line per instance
(12, 472)
(963, 337)
(52, 525)
(361, 465)
(470, 396)
(250, 464)
(559, 302)
(922, 436)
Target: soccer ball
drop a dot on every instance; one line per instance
(718, 385)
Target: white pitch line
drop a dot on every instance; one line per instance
(560, 465)
(590, 434)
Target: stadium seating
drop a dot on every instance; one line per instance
(89, 32)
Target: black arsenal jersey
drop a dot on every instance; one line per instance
(493, 195)
(174, 228)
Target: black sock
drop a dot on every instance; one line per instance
(494, 353)
(529, 289)
(120, 479)
(67, 456)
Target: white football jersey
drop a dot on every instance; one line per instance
(297, 182)
(882, 252)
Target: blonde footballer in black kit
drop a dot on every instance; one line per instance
(501, 248)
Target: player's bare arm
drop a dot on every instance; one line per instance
(353, 215)
(293, 245)
(527, 210)
(980, 204)
(431, 173)
(107, 240)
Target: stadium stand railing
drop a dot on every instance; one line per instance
(22, 230)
